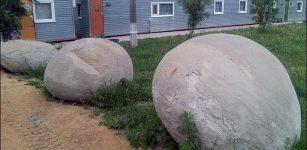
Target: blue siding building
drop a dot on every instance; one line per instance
(58, 20)
(54, 20)
(168, 15)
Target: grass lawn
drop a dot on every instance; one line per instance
(287, 42)
(130, 109)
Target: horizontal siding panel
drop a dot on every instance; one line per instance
(117, 20)
(63, 28)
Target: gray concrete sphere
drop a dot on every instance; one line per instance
(82, 66)
(239, 93)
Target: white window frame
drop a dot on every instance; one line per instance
(158, 9)
(274, 4)
(52, 12)
(245, 11)
(79, 17)
(219, 13)
(73, 3)
(301, 8)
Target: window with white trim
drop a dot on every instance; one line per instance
(162, 9)
(242, 6)
(299, 6)
(274, 4)
(218, 6)
(79, 11)
(44, 11)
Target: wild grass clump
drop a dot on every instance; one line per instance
(37, 73)
(188, 131)
(142, 126)
(122, 94)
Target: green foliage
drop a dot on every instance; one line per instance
(37, 73)
(196, 11)
(141, 123)
(115, 95)
(10, 12)
(264, 12)
(188, 131)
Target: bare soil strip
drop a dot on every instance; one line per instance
(28, 121)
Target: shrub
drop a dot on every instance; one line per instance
(264, 12)
(196, 10)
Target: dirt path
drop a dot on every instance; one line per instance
(28, 121)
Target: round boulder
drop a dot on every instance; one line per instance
(239, 94)
(20, 56)
(82, 66)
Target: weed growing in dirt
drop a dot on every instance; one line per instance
(47, 94)
(188, 131)
(35, 82)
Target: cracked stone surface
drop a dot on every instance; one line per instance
(20, 56)
(82, 66)
(239, 93)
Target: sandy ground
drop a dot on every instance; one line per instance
(28, 121)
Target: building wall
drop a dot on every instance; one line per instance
(63, 28)
(117, 17)
(293, 14)
(82, 24)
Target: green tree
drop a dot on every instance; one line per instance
(10, 12)
(196, 11)
(264, 12)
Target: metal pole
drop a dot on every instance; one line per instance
(133, 27)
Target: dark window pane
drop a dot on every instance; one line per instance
(155, 9)
(299, 6)
(218, 6)
(79, 10)
(43, 11)
(166, 9)
(242, 6)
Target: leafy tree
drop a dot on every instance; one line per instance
(196, 10)
(10, 11)
(264, 12)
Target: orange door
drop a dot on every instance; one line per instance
(28, 28)
(96, 18)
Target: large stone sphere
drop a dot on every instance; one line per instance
(82, 66)
(20, 56)
(240, 95)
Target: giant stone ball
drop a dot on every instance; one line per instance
(240, 95)
(20, 56)
(82, 66)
